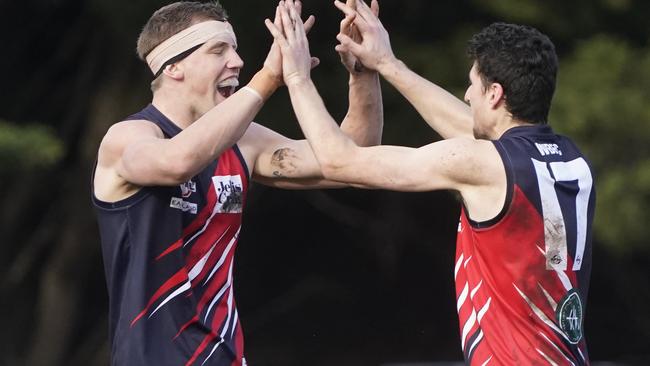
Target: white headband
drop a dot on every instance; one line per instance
(187, 39)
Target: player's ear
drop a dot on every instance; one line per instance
(174, 71)
(496, 95)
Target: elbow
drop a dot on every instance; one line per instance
(330, 169)
(181, 170)
(179, 167)
(334, 164)
(179, 174)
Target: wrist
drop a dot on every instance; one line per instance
(388, 65)
(264, 82)
(363, 77)
(297, 81)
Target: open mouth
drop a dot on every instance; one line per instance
(227, 87)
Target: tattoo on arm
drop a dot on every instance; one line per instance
(283, 162)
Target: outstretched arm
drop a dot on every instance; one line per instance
(472, 167)
(365, 118)
(341, 159)
(445, 113)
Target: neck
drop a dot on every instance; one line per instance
(506, 122)
(176, 106)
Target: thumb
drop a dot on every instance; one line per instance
(315, 61)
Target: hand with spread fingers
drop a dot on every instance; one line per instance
(373, 49)
(274, 59)
(351, 63)
(291, 37)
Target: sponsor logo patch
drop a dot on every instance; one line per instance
(229, 188)
(548, 149)
(184, 206)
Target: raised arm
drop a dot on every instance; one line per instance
(135, 153)
(285, 163)
(445, 113)
(365, 118)
(472, 167)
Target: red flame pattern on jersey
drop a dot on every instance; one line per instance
(208, 244)
(506, 297)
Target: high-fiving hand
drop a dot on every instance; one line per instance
(274, 59)
(374, 48)
(292, 39)
(350, 61)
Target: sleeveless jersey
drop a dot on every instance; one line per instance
(168, 258)
(522, 277)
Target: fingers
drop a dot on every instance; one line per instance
(361, 24)
(347, 10)
(287, 15)
(297, 27)
(374, 6)
(346, 24)
(287, 23)
(365, 12)
(298, 5)
(277, 21)
(277, 34)
(309, 23)
(296, 21)
(347, 44)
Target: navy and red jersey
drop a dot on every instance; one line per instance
(168, 258)
(522, 277)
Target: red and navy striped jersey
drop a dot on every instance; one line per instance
(168, 258)
(522, 278)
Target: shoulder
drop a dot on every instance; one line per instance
(138, 127)
(464, 150)
(468, 161)
(121, 134)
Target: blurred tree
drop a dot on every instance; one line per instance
(23, 148)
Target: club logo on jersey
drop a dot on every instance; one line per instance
(548, 149)
(188, 188)
(230, 193)
(569, 316)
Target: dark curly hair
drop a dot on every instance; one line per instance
(523, 61)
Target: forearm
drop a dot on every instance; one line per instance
(222, 126)
(216, 131)
(446, 114)
(329, 144)
(365, 118)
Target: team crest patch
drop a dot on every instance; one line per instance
(188, 188)
(230, 197)
(569, 316)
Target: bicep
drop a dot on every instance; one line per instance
(139, 154)
(282, 162)
(276, 156)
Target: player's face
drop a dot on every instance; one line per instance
(212, 74)
(476, 96)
